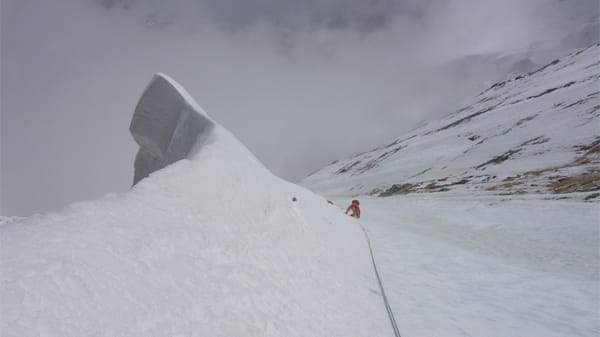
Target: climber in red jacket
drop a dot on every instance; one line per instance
(355, 208)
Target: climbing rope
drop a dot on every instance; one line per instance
(385, 299)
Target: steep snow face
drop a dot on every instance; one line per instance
(166, 124)
(536, 133)
(212, 245)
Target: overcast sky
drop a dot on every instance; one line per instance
(301, 83)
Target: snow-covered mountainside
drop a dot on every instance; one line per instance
(485, 223)
(212, 245)
(536, 133)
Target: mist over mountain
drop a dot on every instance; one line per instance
(483, 222)
(535, 134)
(349, 74)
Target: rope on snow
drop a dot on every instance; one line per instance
(385, 299)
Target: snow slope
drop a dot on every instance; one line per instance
(212, 245)
(536, 133)
(486, 223)
(457, 266)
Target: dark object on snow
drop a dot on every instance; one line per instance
(294, 199)
(354, 208)
(330, 202)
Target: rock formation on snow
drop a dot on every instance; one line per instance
(166, 125)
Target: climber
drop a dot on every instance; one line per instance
(355, 208)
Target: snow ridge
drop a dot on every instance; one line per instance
(211, 245)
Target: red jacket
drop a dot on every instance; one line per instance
(355, 209)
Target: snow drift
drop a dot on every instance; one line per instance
(166, 125)
(211, 245)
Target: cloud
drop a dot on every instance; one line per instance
(287, 15)
(301, 83)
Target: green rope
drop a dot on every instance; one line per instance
(385, 299)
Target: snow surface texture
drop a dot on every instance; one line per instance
(536, 133)
(212, 245)
(473, 266)
(166, 126)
